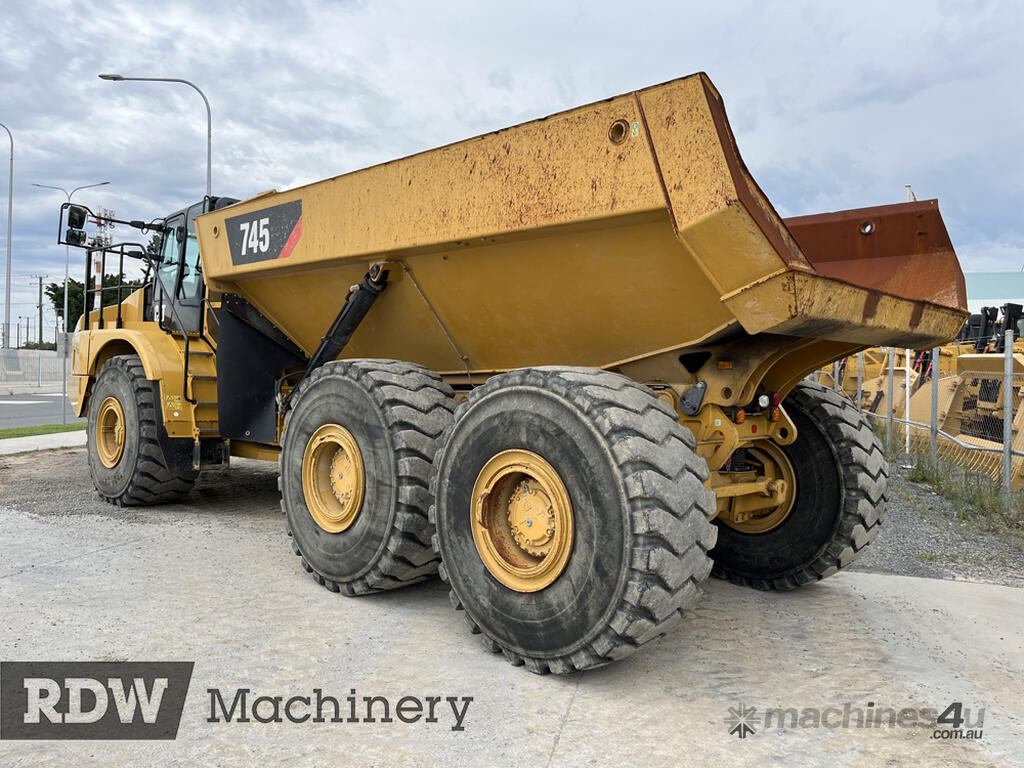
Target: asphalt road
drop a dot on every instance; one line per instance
(33, 410)
(214, 581)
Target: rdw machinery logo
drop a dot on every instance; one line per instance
(92, 699)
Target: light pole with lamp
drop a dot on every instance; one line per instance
(10, 209)
(67, 267)
(209, 118)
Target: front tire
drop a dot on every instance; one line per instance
(543, 442)
(126, 462)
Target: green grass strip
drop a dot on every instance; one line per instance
(44, 429)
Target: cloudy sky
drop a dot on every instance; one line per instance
(835, 105)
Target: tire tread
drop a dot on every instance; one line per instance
(671, 532)
(863, 483)
(417, 406)
(152, 481)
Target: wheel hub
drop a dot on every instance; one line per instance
(343, 477)
(110, 432)
(333, 478)
(531, 517)
(751, 514)
(522, 520)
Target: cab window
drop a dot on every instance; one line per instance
(170, 256)
(191, 282)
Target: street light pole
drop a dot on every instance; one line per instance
(10, 210)
(209, 117)
(67, 268)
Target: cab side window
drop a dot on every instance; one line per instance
(170, 256)
(191, 282)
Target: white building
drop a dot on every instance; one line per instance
(993, 289)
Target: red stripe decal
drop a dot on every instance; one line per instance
(293, 240)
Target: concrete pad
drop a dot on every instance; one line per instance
(214, 581)
(32, 388)
(12, 445)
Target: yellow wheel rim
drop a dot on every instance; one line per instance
(522, 520)
(333, 478)
(110, 432)
(776, 467)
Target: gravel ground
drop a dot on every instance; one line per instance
(57, 484)
(923, 537)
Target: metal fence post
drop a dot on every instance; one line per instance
(889, 408)
(906, 403)
(1007, 415)
(935, 405)
(860, 380)
(39, 372)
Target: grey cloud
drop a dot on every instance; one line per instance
(834, 105)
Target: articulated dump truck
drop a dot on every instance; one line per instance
(561, 365)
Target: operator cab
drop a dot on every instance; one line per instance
(180, 270)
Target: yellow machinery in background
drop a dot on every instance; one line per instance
(560, 364)
(970, 408)
(971, 398)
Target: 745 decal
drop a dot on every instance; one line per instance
(269, 233)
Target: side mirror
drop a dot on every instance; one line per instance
(76, 217)
(75, 234)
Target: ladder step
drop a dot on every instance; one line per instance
(193, 338)
(201, 377)
(200, 352)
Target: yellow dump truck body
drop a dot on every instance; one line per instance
(611, 233)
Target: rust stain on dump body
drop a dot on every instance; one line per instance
(901, 249)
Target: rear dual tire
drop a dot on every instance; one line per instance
(841, 481)
(392, 413)
(640, 533)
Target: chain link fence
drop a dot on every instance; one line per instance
(950, 403)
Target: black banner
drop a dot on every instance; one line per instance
(270, 233)
(92, 699)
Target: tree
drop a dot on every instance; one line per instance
(153, 247)
(55, 292)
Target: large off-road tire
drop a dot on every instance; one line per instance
(393, 412)
(841, 479)
(634, 489)
(126, 462)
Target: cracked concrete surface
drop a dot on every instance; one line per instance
(214, 581)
